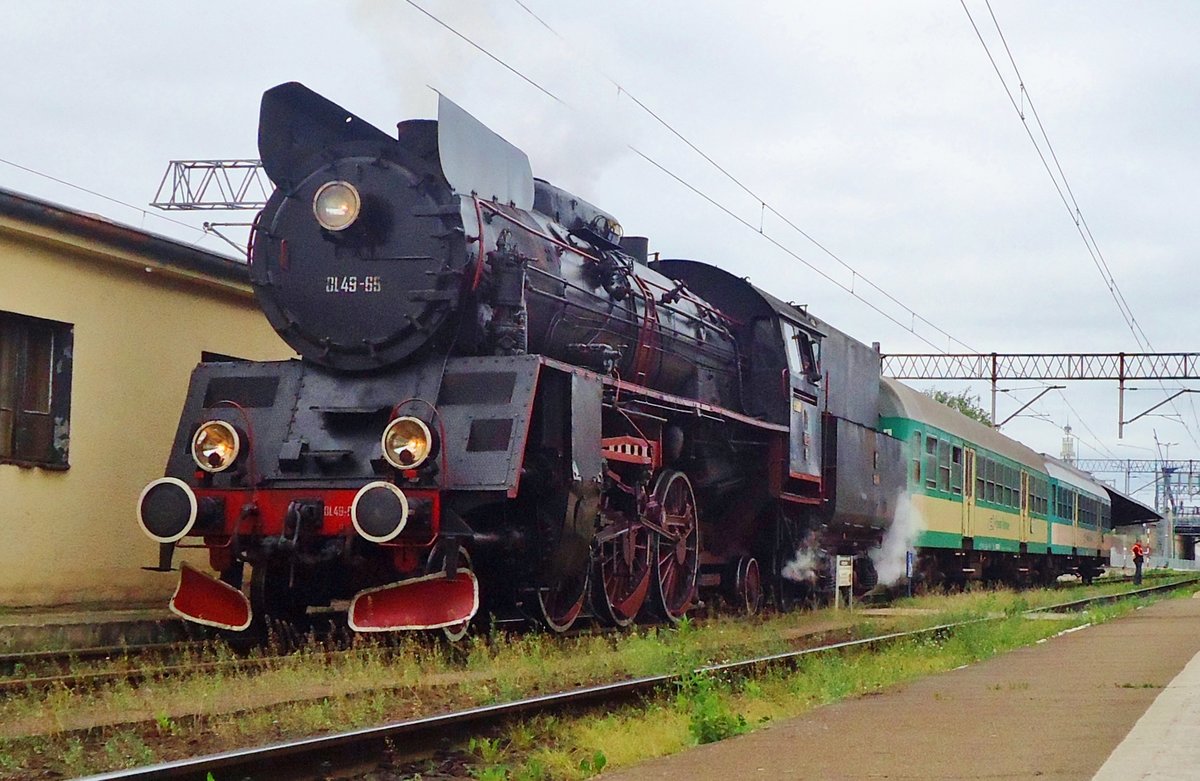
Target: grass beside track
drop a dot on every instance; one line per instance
(63, 732)
(705, 709)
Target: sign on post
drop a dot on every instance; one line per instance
(845, 581)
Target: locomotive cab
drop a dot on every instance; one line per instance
(780, 364)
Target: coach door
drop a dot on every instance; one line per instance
(968, 492)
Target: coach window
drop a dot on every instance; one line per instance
(916, 459)
(35, 391)
(1087, 512)
(956, 470)
(931, 446)
(944, 466)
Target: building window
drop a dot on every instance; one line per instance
(35, 391)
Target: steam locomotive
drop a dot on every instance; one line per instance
(500, 403)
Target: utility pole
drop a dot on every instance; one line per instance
(1168, 524)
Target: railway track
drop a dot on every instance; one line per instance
(319, 756)
(14, 662)
(45, 670)
(31, 671)
(78, 681)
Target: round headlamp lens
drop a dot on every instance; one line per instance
(215, 446)
(336, 205)
(407, 442)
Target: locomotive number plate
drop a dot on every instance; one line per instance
(364, 284)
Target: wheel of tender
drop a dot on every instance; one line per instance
(436, 562)
(561, 604)
(676, 546)
(621, 564)
(747, 586)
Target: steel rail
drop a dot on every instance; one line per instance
(11, 661)
(135, 676)
(1080, 603)
(317, 756)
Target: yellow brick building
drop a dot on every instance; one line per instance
(100, 327)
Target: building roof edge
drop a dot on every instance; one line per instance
(166, 251)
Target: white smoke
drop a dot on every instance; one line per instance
(804, 565)
(890, 558)
(569, 143)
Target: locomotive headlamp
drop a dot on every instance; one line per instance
(407, 442)
(336, 205)
(215, 446)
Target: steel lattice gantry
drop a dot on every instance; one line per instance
(1137, 466)
(1044, 366)
(213, 185)
(1178, 477)
(994, 367)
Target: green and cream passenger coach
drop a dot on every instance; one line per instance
(984, 506)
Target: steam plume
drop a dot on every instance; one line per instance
(804, 565)
(890, 558)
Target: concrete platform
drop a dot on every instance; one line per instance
(1116, 701)
(75, 626)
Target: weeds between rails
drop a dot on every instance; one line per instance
(71, 668)
(305, 693)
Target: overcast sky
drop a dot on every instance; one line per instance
(880, 129)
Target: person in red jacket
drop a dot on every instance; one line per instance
(1139, 555)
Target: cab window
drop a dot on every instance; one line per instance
(802, 356)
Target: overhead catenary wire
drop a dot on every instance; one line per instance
(1067, 196)
(763, 203)
(746, 223)
(1073, 212)
(96, 194)
(855, 274)
(1100, 446)
(911, 328)
(713, 201)
(1106, 272)
(488, 54)
(1078, 216)
(767, 207)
